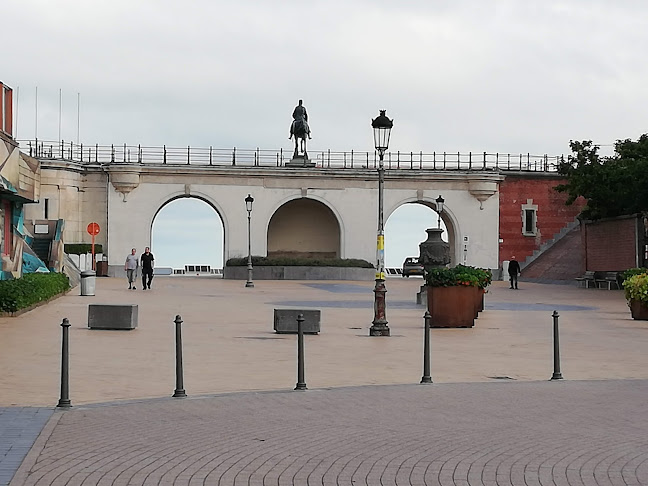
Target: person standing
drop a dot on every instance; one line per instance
(147, 268)
(514, 271)
(131, 268)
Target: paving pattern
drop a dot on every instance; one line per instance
(511, 433)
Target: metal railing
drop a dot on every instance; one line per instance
(235, 157)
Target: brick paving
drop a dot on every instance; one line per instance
(514, 433)
(528, 431)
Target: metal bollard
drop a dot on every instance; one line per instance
(64, 401)
(301, 383)
(179, 391)
(557, 375)
(426, 349)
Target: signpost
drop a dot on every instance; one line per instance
(93, 230)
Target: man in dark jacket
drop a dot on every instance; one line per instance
(147, 268)
(514, 271)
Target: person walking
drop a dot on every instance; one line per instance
(514, 271)
(130, 266)
(147, 260)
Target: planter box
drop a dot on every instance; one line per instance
(453, 306)
(638, 310)
(285, 321)
(112, 316)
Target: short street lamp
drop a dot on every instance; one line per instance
(439, 208)
(248, 206)
(382, 129)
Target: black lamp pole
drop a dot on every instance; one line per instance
(439, 207)
(248, 206)
(382, 129)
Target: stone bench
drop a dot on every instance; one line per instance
(285, 321)
(112, 316)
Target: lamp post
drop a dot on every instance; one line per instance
(382, 129)
(439, 207)
(248, 206)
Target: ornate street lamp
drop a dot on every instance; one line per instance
(382, 129)
(439, 207)
(248, 206)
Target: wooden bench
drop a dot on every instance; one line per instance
(607, 279)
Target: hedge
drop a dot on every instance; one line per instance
(81, 248)
(299, 262)
(32, 288)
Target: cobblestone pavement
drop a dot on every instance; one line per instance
(507, 433)
(19, 427)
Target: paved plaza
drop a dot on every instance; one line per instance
(491, 417)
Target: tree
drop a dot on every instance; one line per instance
(613, 186)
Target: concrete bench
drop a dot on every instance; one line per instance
(285, 321)
(112, 316)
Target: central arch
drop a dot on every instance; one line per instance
(188, 230)
(304, 228)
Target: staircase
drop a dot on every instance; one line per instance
(559, 261)
(549, 243)
(42, 249)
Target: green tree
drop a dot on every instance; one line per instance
(613, 186)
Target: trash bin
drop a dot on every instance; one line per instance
(88, 282)
(102, 269)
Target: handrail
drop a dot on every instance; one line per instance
(236, 157)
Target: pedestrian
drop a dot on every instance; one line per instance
(147, 268)
(514, 271)
(131, 268)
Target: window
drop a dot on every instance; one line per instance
(46, 207)
(529, 218)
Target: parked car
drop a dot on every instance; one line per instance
(411, 266)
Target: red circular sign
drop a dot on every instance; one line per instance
(93, 229)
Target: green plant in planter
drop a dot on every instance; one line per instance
(630, 272)
(636, 288)
(461, 275)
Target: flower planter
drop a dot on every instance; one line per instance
(453, 306)
(638, 310)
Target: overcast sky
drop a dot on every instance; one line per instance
(462, 75)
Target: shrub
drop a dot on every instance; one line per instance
(299, 262)
(631, 272)
(81, 248)
(636, 288)
(30, 289)
(456, 276)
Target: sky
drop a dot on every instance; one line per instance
(504, 76)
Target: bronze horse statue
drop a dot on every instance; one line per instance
(299, 130)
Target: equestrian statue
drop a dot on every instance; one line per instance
(300, 130)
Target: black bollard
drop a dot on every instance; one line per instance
(64, 401)
(179, 391)
(426, 349)
(301, 383)
(557, 375)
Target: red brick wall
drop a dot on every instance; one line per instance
(552, 214)
(610, 245)
(6, 108)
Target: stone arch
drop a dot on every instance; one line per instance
(169, 198)
(304, 227)
(447, 216)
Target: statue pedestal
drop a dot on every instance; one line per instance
(300, 161)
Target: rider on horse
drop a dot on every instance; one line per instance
(300, 117)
